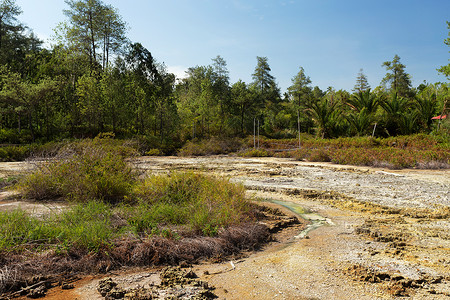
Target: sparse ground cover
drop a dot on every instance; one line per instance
(387, 236)
(415, 151)
(116, 217)
(388, 232)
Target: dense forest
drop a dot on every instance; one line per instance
(94, 79)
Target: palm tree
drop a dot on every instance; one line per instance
(325, 114)
(364, 99)
(398, 114)
(426, 106)
(408, 122)
(364, 105)
(360, 121)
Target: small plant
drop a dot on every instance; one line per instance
(85, 226)
(14, 153)
(256, 153)
(154, 152)
(202, 203)
(321, 155)
(212, 146)
(92, 172)
(8, 181)
(15, 228)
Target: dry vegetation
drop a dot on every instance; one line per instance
(117, 219)
(413, 151)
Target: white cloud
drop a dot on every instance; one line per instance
(47, 41)
(178, 71)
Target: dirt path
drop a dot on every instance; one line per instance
(387, 233)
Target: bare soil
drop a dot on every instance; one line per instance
(385, 234)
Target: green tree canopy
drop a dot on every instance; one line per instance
(262, 79)
(94, 29)
(300, 88)
(446, 69)
(9, 11)
(362, 84)
(397, 80)
(17, 48)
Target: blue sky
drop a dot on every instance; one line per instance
(331, 39)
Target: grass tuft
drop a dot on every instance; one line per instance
(211, 146)
(204, 204)
(255, 153)
(88, 171)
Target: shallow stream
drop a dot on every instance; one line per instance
(315, 220)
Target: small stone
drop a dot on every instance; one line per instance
(67, 286)
(184, 264)
(191, 274)
(38, 292)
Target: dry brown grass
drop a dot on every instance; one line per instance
(17, 271)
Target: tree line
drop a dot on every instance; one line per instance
(94, 79)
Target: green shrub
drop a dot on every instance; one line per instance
(212, 146)
(203, 203)
(13, 136)
(255, 153)
(169, 205)
(8, 181)
(92, 172)
(15, 227)
(14, 153)
(86, 226)
(322, 155)
(154, 152)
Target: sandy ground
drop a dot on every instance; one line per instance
(386, 233)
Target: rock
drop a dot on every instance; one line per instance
(105, 286)
(115, 293)
(184, 264)
(191, 274)
(38, 292)
(67, 286)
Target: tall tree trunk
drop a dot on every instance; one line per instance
(104, 53)
(46, 123)
(107, 41)
(1, 34)
(161, 124)
(30, 123)
(114, 118)
(18, 120)
(242, 119)
(107, 52)
(91, 28)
